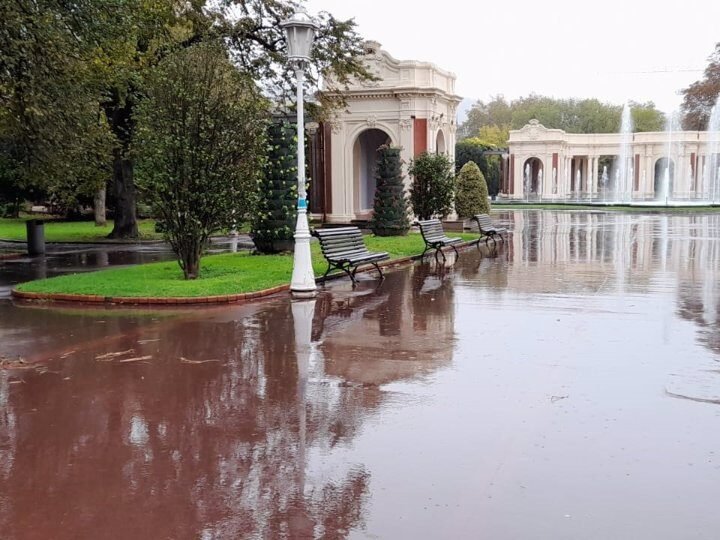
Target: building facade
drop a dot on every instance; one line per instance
(550, 164)
(411, 105)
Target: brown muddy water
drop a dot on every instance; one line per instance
(564, 386)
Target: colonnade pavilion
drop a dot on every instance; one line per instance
(550, 164)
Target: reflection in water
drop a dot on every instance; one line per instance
(230, 428)
(623, 255)
(492, 392)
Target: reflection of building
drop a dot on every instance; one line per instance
(552, 164)
(585, 250)
(411, 105)
(404, 335)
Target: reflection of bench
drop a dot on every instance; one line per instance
(345, 249)
(487, 229)
(434, 237)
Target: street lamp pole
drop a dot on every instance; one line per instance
(300, 32)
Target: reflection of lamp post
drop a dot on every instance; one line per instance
(303, 312)
(300, 32)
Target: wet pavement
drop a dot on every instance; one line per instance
(564, 386)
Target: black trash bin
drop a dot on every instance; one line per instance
(35, 236)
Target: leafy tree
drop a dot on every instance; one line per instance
(273, 221)
(493, 136)
(700, 97)
(471, 192)
(646, 117)
(201, 145)
(390, 208)
(474, 150)
(431, 192)
(571, 115)
(496, 112)
(258, 46)
(52, 141)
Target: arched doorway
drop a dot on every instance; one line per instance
(532, 176)
(440, 143)
(364, 162)
(664, 178)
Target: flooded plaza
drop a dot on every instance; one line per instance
(565, 385)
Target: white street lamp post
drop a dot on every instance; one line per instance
(300, 32)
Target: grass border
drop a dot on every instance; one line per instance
(203, 300)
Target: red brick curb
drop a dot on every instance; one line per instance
(192, 300)
(9, 256)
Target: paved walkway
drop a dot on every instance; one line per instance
(564, 387)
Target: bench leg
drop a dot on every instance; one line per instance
(330, 266)
(379, 271)
(424, 252)
(455, 249)
(351, 274)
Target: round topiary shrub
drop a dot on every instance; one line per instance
(471, 192)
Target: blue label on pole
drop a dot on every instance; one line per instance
(302, 203)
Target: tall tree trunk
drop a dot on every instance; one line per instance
(99, 207)
(119, 113)
(125, 198)
(191, 263)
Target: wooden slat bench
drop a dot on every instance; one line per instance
(344, 249)
(487, 229)
(434, 237)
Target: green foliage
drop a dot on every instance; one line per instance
(700, 97)
(471, 192)
(431, 193)
(52, 144)
(70, 231)
(273, 220)
(258, 44)
(493, 136)
(73, 73)
(201, 138)
(571, 115)
(473, 150)
(228, 273)
(390, 208)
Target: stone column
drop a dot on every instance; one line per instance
(588, 178)
(649, 187)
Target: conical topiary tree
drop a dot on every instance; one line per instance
(273, 222)
(390, 216)
(471, 191)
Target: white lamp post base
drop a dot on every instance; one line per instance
(302, 284)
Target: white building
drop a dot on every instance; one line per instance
(550, 164)
(412, 105)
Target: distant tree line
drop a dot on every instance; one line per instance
(491, 121)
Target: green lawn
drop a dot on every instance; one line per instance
(71, 231)
(228, 273)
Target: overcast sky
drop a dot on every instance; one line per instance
(614, 50)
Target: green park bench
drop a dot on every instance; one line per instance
(344, 249)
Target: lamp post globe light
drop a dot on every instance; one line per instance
(300, 32)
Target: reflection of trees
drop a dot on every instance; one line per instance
(222, 443)
(388, 336)
(173, 449)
